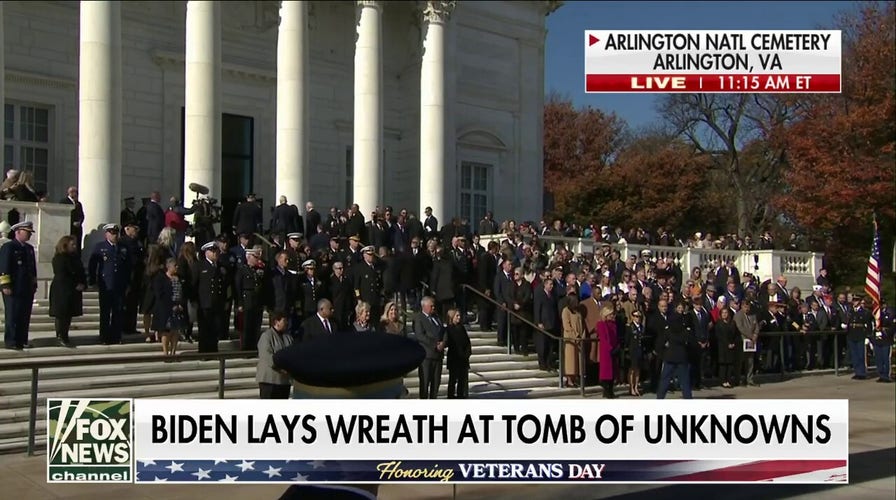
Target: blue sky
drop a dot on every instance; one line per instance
(565, 52)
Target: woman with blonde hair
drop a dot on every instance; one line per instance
(170, 315)
(23, 190)
(390, 321)
(573, 331)
(362, 318)
(608, 349)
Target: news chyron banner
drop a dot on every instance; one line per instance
(441, 441)
(712, 61)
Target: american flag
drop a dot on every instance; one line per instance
(872, 278)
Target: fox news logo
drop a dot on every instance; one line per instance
(89, 441)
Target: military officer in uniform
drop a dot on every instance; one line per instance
(858, 328)
(883, 342)
(210, 280)
(137, 260)
(284, 285)
(352, 255)
(293, 251)
(229, 261)
(368, 281)
(109, 269)
(251, 285)
(311, 289)
(18, 280)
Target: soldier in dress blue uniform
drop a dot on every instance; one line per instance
(311, 289)
(251, 286)
(230, 263)
(368, 281)
(109, 269)
(883, 342)
(859, 328)
(211, 281)
(18, 280)
(327, 368)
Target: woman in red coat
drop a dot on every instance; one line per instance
(608, 346)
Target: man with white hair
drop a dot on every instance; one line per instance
(312, 220)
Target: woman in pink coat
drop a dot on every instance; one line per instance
(608, 345)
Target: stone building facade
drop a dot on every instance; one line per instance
(489, 62)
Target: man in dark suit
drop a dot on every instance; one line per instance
(286, 218)
(127, 215)
(318, 325)
(501, 289)
(673, 343)
(430, 224)
(354, 226)
(247, 218)
(429, 331)
(109, 269)
(547, 318)
(658, 323)
(341, 292)
(699, 347)
(155, 217)
(486, 270)
(77, 216)
(312, 220)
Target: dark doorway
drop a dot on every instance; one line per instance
(237, 164)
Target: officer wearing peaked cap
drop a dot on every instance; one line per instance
(18, 280)
(251, 284)
(311, 289)
(327, 367)
(368, 281)
(210, 280)
(109, 269)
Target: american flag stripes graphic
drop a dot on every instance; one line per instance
(367, 471)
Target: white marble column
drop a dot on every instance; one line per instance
(432, 110)
(293, 90)
(2, 79)
(368, 132)
(99, 113)
(202, 120)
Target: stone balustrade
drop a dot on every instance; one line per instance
(800, 268)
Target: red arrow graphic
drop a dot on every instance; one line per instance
(592, 40)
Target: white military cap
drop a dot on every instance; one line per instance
(110, 227)
(308, 263)
(368, 249)
(209, 246)
(294, 236)
(25, 226)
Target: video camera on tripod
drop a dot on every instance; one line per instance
(207, 210)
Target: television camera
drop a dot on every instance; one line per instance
(206, 213)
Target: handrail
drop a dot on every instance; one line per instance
(514, 313)
(35, 366)
(110, 359)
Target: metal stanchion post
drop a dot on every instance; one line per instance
(836, 355)
(781, 354)
(221, 378)
(32, 413)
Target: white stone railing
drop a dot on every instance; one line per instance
(51, 222)
(800, 268)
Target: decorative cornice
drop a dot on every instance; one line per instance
(167, 59)
(37, 80)
(370, 3)
(438, 12)
(551, 5)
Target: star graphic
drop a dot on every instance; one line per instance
(271, 472)
(300, 477)
(175, 467)
(201, 474)
(229, 479)
(317, 464)
(220, 462)
(160, 480)
(147, 463)
(246, 466)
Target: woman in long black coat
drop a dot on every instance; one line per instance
(729, 346)
(69, 280)
(457, 340)
(521, 303)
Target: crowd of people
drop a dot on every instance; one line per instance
(641, 322)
